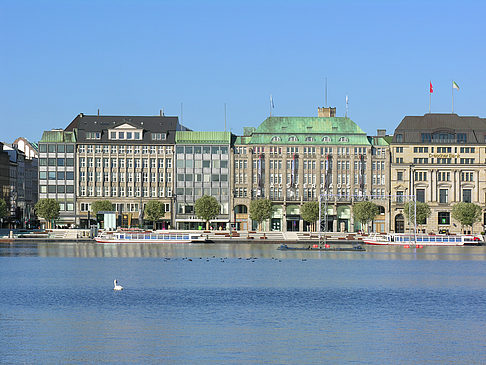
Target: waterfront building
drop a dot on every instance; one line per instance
(440, 158)
(127, 160)
(292, 160)
(4, 177)
(202, 168)
(57, 172)
(31, 165)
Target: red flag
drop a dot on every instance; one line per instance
(431, 88)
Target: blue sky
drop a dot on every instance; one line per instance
(61, 58)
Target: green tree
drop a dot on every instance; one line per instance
(100, 206)
(260, 210)
(466, 213)
(154, 210)
(364, 212)
(47, 209)
(423, 212)
(310, 213)
(3, 208)
(207, 208)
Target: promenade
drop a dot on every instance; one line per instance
(271, 237)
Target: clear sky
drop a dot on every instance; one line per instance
(62, 58)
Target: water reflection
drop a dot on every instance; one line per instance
(232, 250)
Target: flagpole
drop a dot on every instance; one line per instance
(452, 86)
(430, 99)
(270, 105)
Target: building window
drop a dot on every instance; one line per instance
(420, 175)
(444, 218)
(399, 175)
(399, 138)
(420, 195)
(426, 137)
(443, 196)
(399, 196)
(461, 137)
(466, 195)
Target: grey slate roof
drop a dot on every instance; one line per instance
(412, 127)
(150, 124)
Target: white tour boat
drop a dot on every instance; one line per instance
(405, 239)
(150, 237)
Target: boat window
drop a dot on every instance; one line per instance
(419, 239)
(122, 236)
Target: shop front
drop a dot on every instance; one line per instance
(293, 218)
(344, 218)
(276, 219)
(241, 218)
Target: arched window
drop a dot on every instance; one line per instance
(293, 139)
(276, 139)
(310, 139)
(326, 139)
(344, 139)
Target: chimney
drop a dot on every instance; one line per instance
(381, 132)
(162, 112)
(326, 112)
(98, 112)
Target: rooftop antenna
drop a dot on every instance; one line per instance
(225, 117)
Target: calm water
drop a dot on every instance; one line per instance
(386, 305)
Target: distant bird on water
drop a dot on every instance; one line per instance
(117, 287)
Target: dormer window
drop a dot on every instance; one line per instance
(276, 139)
(158, 137)
(293, 139)
(310, 139)
(125, 132)
(93, 135)
(326, 139)
(344, 139)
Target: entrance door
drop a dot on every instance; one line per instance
(343, 225)
(399, 224)
(292, 225)
(275, 224)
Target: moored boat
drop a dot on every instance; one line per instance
(149, 237)
(401, 239)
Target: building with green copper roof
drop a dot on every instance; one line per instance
(202, 163)
(293, 160)
(57, 172)
(58, 136)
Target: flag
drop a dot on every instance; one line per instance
(271, 102)
(431, 88)
(455, 86)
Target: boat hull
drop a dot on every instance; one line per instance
(149, 238)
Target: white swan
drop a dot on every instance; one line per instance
(117, 287)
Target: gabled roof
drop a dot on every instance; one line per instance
(102, 123)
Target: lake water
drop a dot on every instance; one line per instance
(241, 304)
